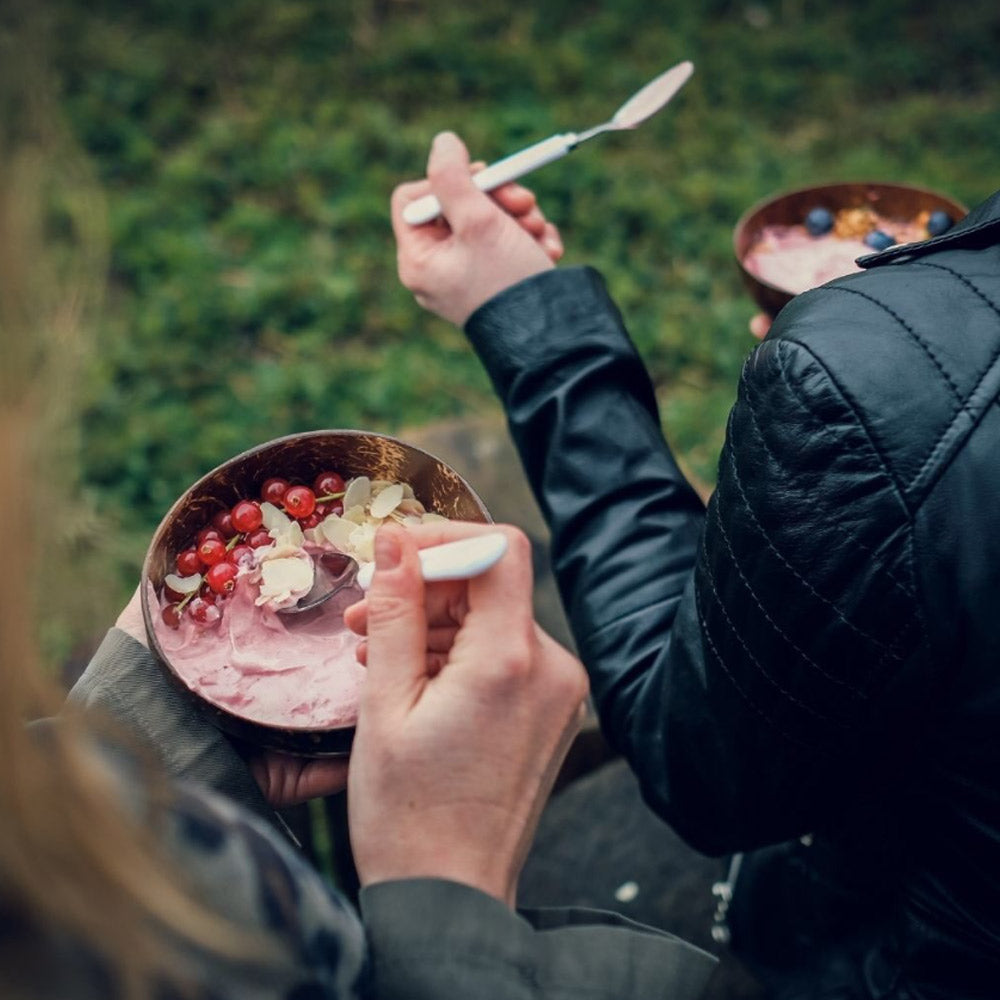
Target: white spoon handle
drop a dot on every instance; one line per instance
(511, 167)
(461, 560)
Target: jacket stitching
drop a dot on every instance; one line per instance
(964, 407)
(754, 707)
(760, 607)
(964, 280)
(845, 396)
(924, 346)
(890, 653)
(906, 589)
(767, 542)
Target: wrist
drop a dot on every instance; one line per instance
(479, 871)
(485, 293)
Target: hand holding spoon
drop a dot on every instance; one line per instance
(461, 560)
(633, 112)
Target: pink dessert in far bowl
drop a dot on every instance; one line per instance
(792, 258)
(803, 238)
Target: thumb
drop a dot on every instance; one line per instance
(450, 175)
(397, 622)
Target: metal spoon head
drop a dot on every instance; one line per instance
(334, 571)
(652, 97)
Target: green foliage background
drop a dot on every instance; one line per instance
(247, 151)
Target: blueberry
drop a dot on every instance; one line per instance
(819, 221)
(878, 240)
(939, 222)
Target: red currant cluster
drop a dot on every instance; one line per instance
(226, 544)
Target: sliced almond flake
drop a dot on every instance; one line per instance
(408, 493)
(381, 484)
(430, 517)
(182, 584)
(337, 531)
(357, 514)
(358, 492)
(412, 520)
(363, 542)
(277, 550)
(409, 505)
(283, 579)
(387, 501)
(275, 519)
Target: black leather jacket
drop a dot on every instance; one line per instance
(819, 651)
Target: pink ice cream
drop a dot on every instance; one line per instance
(788, 257)
(296, 672)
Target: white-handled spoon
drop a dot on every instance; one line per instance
(633, 112)
(461, 560)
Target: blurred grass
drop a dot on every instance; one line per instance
(247, 151)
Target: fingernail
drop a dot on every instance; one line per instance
(445, 142)
(387, 549)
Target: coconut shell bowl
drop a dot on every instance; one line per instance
(298, 458)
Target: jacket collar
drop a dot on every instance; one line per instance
(981, 225)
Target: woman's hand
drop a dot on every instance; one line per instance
(467, 712)
(481, 245)
(287, 781)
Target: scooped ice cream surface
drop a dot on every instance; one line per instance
(296, 673)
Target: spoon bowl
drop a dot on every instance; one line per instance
(458, 560)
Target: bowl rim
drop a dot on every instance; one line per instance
(295, 741)
(740, 226)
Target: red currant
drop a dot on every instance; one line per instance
(223, 523)
(247, 516)
(329, 482)
(212, 551)
(273, 490)
(300, 501)
(222, 577)
(174, 596)
(171, 615)
(312, 520)
(241, 555)
(259, 538)
(203, 612)
(206, 593)
(335, 507)
(188, 562)
(206, 533)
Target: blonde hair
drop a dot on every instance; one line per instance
(74, 866)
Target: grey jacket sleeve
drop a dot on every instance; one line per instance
(430, 939)
(124, 682)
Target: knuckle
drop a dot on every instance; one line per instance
(518, 543)
(388, 610)
(512, 664)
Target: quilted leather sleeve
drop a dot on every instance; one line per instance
(744, 665)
